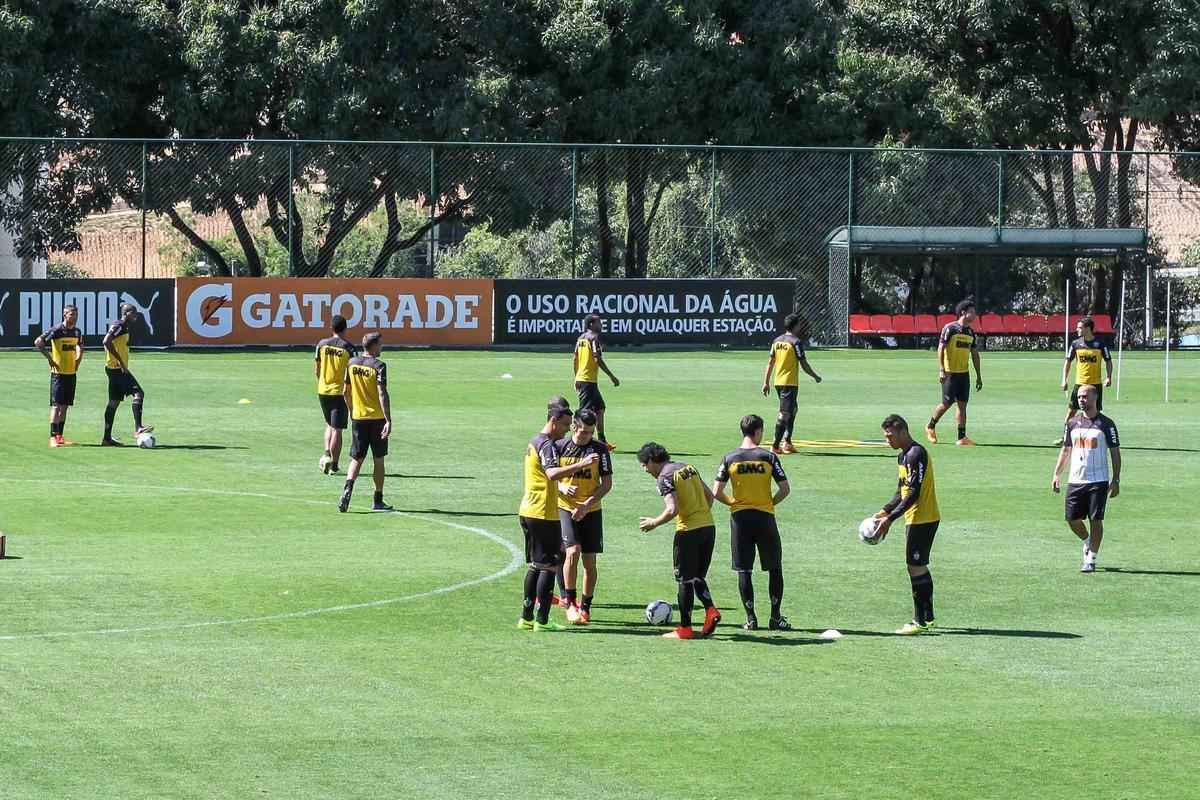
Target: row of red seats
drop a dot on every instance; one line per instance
(1006, 324)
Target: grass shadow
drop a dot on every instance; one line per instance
(778, 640)
(456, 513)
(964, 632)
(1056, 447)
(432, 477)
(198, 447)
(1123, 571)
(10, 558)
(673, 454)
(850, 455)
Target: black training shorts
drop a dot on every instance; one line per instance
(956, 388)
(692, 553)
(787, 399)
(368, 433)
(918, 541)
(589, 396)
(543, 541)
(1087, 500)
(1074, 399)
(333, 406)
(121, 385)
(587, 533)
(62, 389)
(752, 530)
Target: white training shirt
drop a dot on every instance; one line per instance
(1089, 440)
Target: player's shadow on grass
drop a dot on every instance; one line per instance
(781, 639)
(432, 477)
(1124, 571)
(182, 446)
(450, 513)
(1123, 449)
(850, 455)
(600, 626)
(965, 632)
(673, 454)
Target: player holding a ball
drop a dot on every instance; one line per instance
(916, 501)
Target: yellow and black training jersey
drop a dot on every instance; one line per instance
(1088, 355)
(119, 332)
(587, 480)
(959, 341)
(587, 357)
(365, 374)
(787, 350)
(691, 506)
(65, 344)
(916, 499)
(333, 359)
(540, 500)
(749, 472)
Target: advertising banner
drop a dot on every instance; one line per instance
(28, 307)
(282, 311)
(739, 312)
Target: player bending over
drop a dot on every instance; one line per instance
(687, 499)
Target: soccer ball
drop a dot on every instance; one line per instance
(146, 440)
(323, 462)
(659, 612)
(866, 531)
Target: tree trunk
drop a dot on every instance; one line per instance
(1100, 173)
(197, 241)
(636, 238)
(603, 225)
(237, 218)
(277, 203)
(340, 225)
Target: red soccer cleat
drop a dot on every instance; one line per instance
(777, 450)
(585, 617)
(680, 633)
(711, 617)
(788, 447)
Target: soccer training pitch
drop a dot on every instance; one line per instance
(198, 621)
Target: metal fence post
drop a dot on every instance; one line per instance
(574, 203)
(291, 204)
(712, 214)
(1000, 198)
(1147, 216)
(433, 202)
(144, 193)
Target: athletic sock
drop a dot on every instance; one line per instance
(780, 428)
(545, 588)
(560, 580)
(791, 426)
(686, 596)
(377, 497)
(932, 423)
(569, 596)
(962, 431)
(585, 603)
(775, 589)
(922, 591)
(349, 487)
(56, 428)
(700, 589)
(110, 414)
(137, 414)
(746, 590)
(530, 596)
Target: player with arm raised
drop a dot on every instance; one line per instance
(687, 500)
(916, 501)
(62, 347)
(370, 407)
(588, 363)
(121, 383)
(956, 346)
(784, 365)
(1087, 352)
(1089, 440)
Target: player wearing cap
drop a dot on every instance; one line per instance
(370, 407)
(956, 347)
(330, 364)
(916, 501)
(786, 361)
(687, 500)
(62, 347)
(749, 470)
(1089, 440)
(1087, 352)
(579, 511)
(121, 383)
(588, 363)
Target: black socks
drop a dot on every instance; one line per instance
(962, 431)
(780, 429)
(110, 414)
(922, 592)
(775, 588)
(137, 413)
(687, 595)
(746, 590)
(531, 581)
(545, 587)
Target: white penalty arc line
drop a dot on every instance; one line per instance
(517, 560)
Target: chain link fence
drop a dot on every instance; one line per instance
(170, 208)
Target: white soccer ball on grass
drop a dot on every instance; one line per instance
(146, 440)
(659, 612)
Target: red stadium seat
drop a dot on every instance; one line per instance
(927, 323)
(904, 323)
(990, 323)
(1039, 324)
(1103, 323)
(860, 323)
(943, 320)
(1058, 324)
(1014, 325)
(881, 323)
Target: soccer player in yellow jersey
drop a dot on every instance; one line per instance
(916, 501)
(787, 359)
(579, 511)
(687, 500)
(589, 362)
(62, 347)
(956, 346)
(371, 418)
(121, 383)
(749, 470)
(330, 364)
(539, 516)
(1087, 352)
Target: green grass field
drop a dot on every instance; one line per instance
(198, 621)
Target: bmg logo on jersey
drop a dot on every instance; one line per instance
(747, 467)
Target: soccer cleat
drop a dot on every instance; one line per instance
(524, 624)
(1089, 563)
(110, 443)
(585, 617)
(573, 614)
(64, 442)
(333, 468)
(54, 442)
(751, 624)
(680, 633)
(788, 447)
(779, 624)
(777, 450)
(931, 434)
(1059, 442)
(711, 617)
(965, 442)
(143, 429)
(344, 502)
(548, 626)
(913, 628)
(561, 602)
(379, 505)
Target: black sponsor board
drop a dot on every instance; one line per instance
(28, 307)
(735, 312)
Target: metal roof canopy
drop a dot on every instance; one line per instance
(988, 240)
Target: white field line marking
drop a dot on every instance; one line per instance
(518, 559)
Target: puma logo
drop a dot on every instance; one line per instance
(2, 301)
(143, 311)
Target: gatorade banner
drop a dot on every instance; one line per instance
(739, 312)
(28, 307)
(286, 311)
